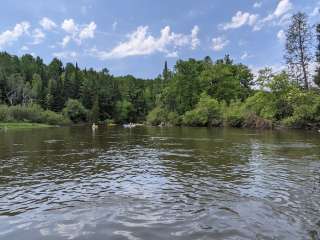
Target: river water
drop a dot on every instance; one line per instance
(159, 183)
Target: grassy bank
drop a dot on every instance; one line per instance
(23, 125)
(23, 115)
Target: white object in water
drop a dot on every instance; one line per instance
(130, 125)
(94, 126)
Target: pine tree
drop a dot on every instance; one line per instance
(298, 44)
(165, 72)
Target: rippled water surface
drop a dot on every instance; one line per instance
(157, 183)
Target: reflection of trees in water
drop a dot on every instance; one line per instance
(179, 166)
(55, 153)
(194, 153)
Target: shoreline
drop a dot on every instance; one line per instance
(23, 125)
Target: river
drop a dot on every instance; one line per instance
(159, 183)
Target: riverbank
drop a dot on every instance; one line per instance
(23, 125)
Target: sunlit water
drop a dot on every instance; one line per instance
(158, 183)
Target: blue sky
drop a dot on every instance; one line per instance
(137, 36)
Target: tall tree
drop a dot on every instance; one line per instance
(317, 75)
(165, 72)
(298, 44)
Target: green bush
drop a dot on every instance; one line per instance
(207, 113)
(54, 118)
(4, 113)
(306, 109)
(262, 104)
(174, 119)
(304, 116)
(75, 111)
(196, 117)
(29, 113)
(157, 116)
(234, 114)
(124, 111)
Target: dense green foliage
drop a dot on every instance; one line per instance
(80, 94)
(31, 113)
(195, 93)
(75, 111)
(206, 113)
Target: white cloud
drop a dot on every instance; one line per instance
(38, 36)
(69, 26)
(195, 42)
(281, 35)
(10, 36)
(219, 43)
(66, 55)
(77, 32)
(141, 42)
(65, 41)
(47, 24)
(257, 4)
(240, 19)
(24, 48)
(283, 7)
(172, 54)
(88, 31)
(280, 14)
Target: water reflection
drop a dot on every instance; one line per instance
(158, 183)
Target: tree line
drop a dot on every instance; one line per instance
(194, 93)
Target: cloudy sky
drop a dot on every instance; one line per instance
(137, 36)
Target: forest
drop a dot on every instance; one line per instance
(194, 93)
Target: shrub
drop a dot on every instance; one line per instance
(54, 118)
(157, 116)
(262, 104)
(195, 118)
(174, 119)
(4, 113)
(124, 111)
(234, 114)
(29, 113)
(206, 113)
(304, 116)
(75, 111)
(306, 109)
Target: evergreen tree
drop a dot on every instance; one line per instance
(3, 87)
(55, 100)
(37, 89)
(165, 72)
(69, 75)
(298, 44)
